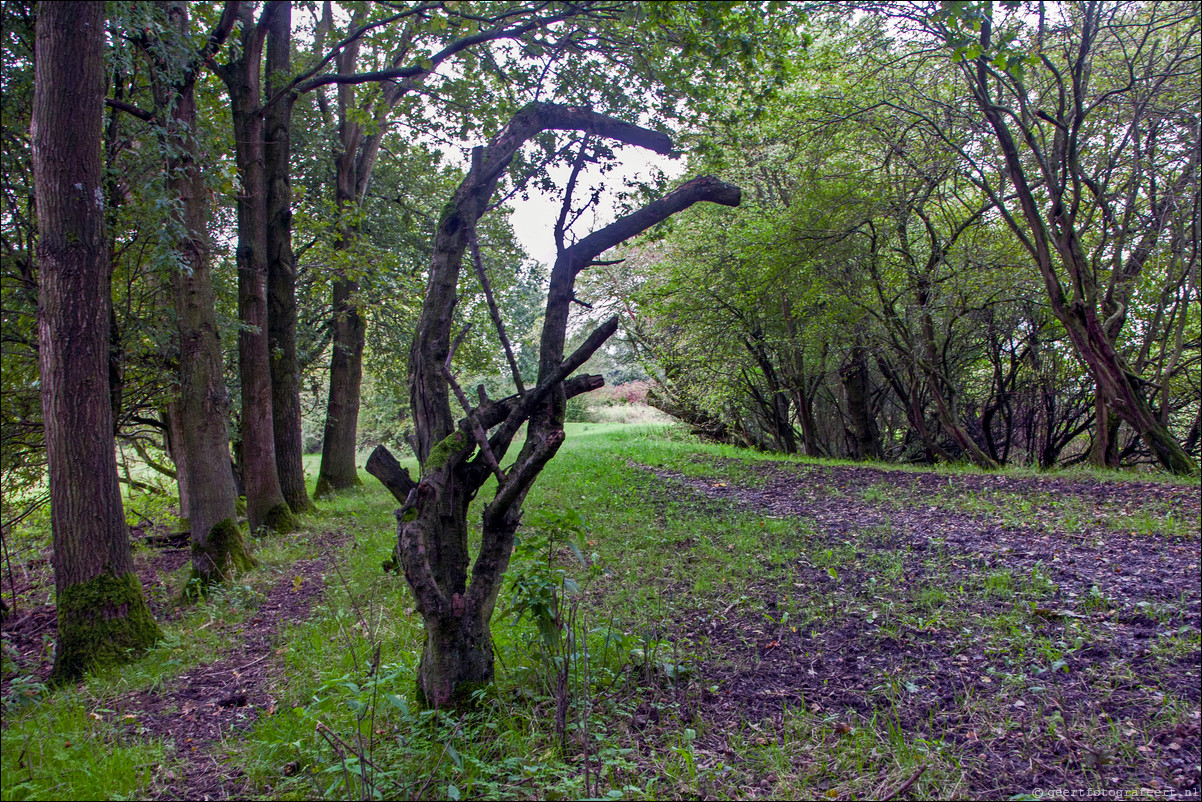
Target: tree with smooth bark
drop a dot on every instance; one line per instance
(102, 615)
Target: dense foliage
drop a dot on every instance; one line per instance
(881, 293)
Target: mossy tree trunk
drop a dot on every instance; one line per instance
(102, 616)
(265, 504)
(456, 453)
(203, 405)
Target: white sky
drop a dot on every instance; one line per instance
(534, 219)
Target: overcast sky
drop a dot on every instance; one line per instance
(534, 219)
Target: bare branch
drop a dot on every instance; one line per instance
(128, 108)
(474, 425)
(474, 244)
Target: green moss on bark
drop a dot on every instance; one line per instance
(223, 555)
(280, 519)
(443, 450)
(326, 489)
(101, 622)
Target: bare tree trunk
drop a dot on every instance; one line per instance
(281, 266)
(432, 538)
(102, 615)
(865, 436)
(265, 505)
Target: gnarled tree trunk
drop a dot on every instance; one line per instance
(456, 453)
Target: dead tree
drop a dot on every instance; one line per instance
(461, 442)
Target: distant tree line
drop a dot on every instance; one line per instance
(971, 232)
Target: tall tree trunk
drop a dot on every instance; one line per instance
(265, 504)
(102, 615)
(281, 266)
(203, 405)
(340, 438)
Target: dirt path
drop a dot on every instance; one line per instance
(1124, 704)
(210, 703)
(201, 708)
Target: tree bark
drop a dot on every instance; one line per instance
(341, 433)
(281, 265)
(265, 499)
(265, 504)
(866, 439)
(203, 404)
(348, 328)
(102, 615)
(1104, 452)
(432, 533)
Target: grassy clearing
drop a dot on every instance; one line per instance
(700, 648)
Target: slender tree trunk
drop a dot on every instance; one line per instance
(1122, 389)
(265, 504)
(338, 470)
(102, 615)
(281, 267)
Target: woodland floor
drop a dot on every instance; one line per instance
(208, 703)
(1133, 592)
(1039, 629)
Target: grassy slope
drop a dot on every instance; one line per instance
(347, 670)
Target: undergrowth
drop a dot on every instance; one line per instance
(610, 672)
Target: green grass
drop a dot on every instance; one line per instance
(74, 748)
(660, 558)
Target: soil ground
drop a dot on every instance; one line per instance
(1130, 594)
(1042, 630)
(208, 703)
